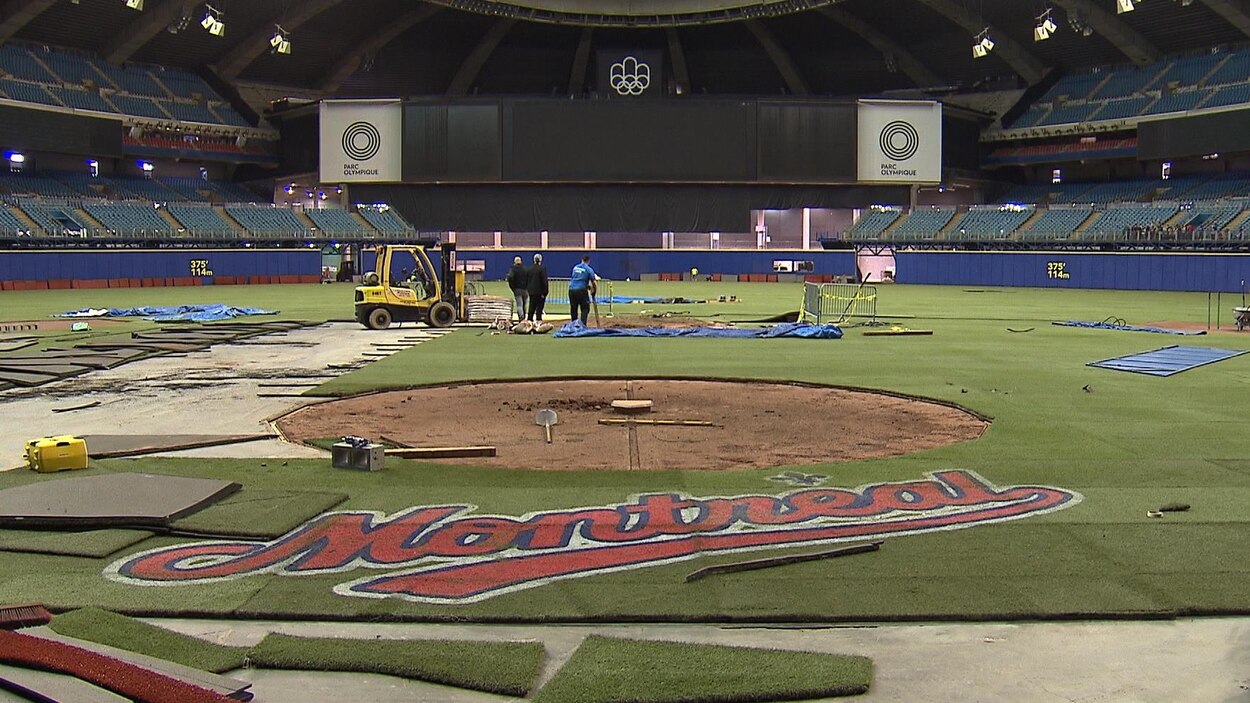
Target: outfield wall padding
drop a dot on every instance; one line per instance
(55, 269)
(1189, 271)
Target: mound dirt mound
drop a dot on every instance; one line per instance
(753, 425)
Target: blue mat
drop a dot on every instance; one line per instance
(178, 313)
(799, 330)
(1168, 360)
(1125, 328)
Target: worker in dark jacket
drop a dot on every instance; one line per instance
(518, 281)
(537, 289)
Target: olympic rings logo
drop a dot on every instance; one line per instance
(629, 76)
(361, 141)
(899, 140)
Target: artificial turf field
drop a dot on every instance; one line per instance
(1127, 445)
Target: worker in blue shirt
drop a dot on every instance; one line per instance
(581, 288)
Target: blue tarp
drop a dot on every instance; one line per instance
(1168, 360)
(1125, 328)
(176, 313)
(801, 330)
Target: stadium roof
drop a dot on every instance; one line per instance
(547, 47)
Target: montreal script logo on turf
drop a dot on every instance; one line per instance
(445, 554)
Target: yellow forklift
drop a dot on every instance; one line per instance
(403, 287)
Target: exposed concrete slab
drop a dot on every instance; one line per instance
(1182, 660)
(212, 391)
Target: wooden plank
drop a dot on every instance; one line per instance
(632, 406)
(441, 452)
(782, 561)
(666, 423)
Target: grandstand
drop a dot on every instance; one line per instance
(268, 221)
(335, 221)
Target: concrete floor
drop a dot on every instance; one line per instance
(215, 392)
(1193, 660)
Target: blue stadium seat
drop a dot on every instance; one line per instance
(1178, 102)
(1127, 82)
(148, 189)
(1116, 220)
(335, 221)
(234, 193)
(19, 63)
(10, 223)
(81, 99)
(873, 222)
(267, 220)
(134, 80)
(1118, 190)
(1057, 223)
(138, 106)
(28, 92)
(1076, 86)
(185, 85)
(1122, 109)
(1235, 70)
(189, 188)
(990, 223)
(202, 220)
(228, 115)
(926, 222)
(129, 218)
(190, 112)
(1070, 113)
(24, 184)
(386, 221)
(1189, 70)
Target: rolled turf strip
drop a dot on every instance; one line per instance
(122, 678)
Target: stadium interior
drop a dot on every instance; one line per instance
(205, 125)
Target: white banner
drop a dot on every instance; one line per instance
(900, 141)
(361, 141)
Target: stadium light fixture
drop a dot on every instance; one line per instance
(280, 42)
(1045, 26)
(1122, 6)
(983, 44)
(212, 21)
(135, 5)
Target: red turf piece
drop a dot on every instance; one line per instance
(136, 683)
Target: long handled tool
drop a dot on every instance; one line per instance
(546, 417)
(594, 305)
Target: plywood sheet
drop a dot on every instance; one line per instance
(105, 500)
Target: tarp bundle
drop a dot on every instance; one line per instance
(802, 330)
(1125, 328)
(176, 313)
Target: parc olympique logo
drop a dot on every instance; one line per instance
(447, 554)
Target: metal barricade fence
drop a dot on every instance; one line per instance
(837, 302)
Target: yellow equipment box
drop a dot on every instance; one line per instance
(61, 453)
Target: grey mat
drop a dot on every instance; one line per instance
(60, 688)
(110, 446)
(106, 500)
(9, 345)
(26, 378)
(94, 361)
(224, 685)
(63, 368)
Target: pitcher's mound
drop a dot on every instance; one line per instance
(753, 425)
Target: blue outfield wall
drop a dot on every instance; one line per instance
(97, 264)
(1124, 271)
(619, 264)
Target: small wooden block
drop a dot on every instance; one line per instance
(631, 407)
(441, 452)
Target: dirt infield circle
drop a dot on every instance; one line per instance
(754, 425)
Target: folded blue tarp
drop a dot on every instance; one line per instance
(1125, 328)
(176, 313)
(801, 330)
(1168, 360)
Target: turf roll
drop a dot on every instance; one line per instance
(607, 669)
(125, 679)
(105, 627)
(510, 668)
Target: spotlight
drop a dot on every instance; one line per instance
(212, 21)
(280, 42)
(1045, 27)
(135, 5)
(1122, 6)
(983, 44)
